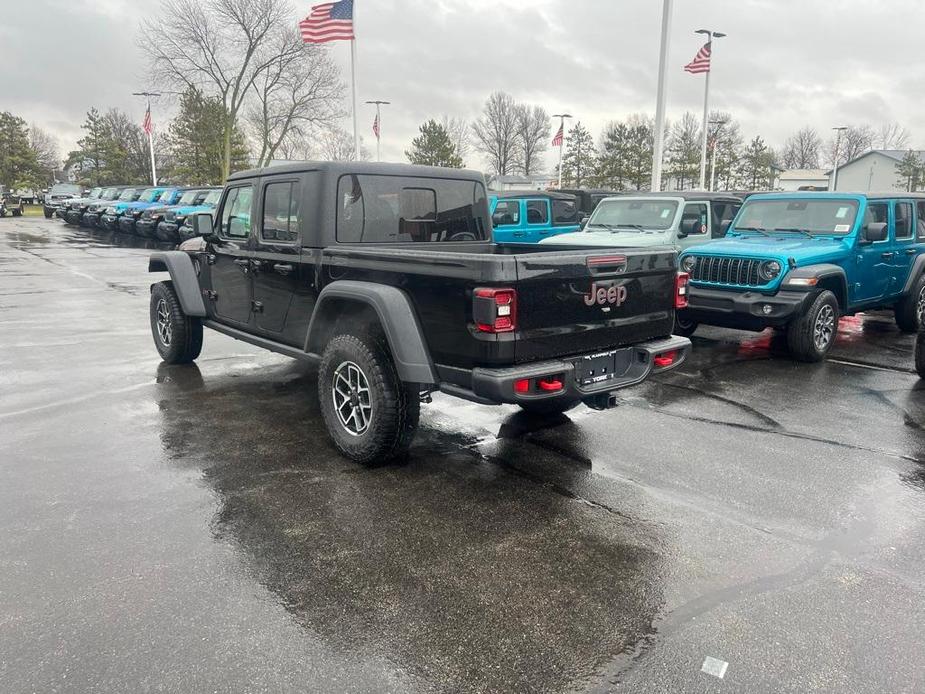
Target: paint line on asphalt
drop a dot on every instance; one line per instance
(714, 666)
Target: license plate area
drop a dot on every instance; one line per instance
(597, 368)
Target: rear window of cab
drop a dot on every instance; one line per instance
(374, 208)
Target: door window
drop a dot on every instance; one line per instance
(507, 213)
(537, 212)
(280, 212)
(236, 213)
(696, 212)
(920, 219)
(903, 220)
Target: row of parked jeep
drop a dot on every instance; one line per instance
(161, 212)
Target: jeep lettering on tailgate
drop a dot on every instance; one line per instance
(605, 295)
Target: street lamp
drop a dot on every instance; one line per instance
(561, 117)
(710, 34)
(149, 131)
(839, 129)
(719, 128)
(377, 129)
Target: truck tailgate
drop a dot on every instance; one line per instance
(571, 302)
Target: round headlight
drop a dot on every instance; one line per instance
(688, 263)
(768, 270)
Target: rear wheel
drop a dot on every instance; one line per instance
(683, 326)
(910, 310)
(178, 337)
(17, 211)
(47, 214)
(370, 414)
(920, 354)
(555, 406)
(811, 336)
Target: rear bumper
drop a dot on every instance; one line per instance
(632, 365)
(743, 310)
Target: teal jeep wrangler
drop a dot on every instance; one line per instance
(800, 261)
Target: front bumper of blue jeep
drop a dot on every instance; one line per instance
(743, 310)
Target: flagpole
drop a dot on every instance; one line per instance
(659, 134)
(378, 134)
(353, 86)
(561, 117)
(151, 148)
(706, 105)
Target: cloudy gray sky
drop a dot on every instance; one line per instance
(785, 64)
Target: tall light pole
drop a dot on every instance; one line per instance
(561, 117)
(377, 129)
(839, 129)
(659, 148)
(719, 128)
(706, 104)
(149, 129)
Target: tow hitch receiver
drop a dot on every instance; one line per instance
(601, 401)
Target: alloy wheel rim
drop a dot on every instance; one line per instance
(162, 318)
(352, 398)
(920, 306)
(824, 327)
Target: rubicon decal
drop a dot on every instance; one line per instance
(602, 296)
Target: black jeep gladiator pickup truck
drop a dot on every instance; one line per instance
(386, 276)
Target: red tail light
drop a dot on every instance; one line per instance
(522, 386)
(666, 359)
(495, 310)
(680, 290)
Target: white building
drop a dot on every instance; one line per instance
(521, 182)
(873, 171)
(803, 179)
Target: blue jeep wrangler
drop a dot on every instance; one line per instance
(800, 261)
(531, 217)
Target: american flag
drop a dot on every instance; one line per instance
(376, 126)
(147, 125)
(332, 21)
(557, 140)
(701, 61)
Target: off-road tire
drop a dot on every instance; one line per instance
(804, 333)
(182, 341)
(395, 406)
(18, 212)
(48, 215)
(684, 327)
(553, 406)
(909, 309)
(920, 354)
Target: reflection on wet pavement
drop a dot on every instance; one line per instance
(192, 529)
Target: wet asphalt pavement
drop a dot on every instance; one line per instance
(191, 529)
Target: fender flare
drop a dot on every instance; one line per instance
(185, 280)
(918, 267)
(397, 317)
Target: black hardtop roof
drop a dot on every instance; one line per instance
(684, 194)
(592, 191)
(340, 168)
(520, 194)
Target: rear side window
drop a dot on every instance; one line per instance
(920, 218)
(537, 212)
(280, 212)
(403, 209)
(903, 221)
(236, 213)
(564, 212)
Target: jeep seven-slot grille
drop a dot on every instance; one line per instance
(742, 272)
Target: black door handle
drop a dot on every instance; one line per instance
(283, 268)
(887, 255)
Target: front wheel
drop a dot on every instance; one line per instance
(683, 326)
(178, 337)
(370, 414)
(811, 336)
(48, 215)
(910, 311)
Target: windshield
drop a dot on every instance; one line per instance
(213, 197)
(799, 215)
(128, 194)
(649, 215)
(150, 195)
(189, 197)
(95, 193)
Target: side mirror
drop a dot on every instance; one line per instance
(688, 227)
(874, 232)
(584, 222)
(203, 226)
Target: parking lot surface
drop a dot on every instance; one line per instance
(188, 529)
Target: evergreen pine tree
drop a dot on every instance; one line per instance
(434, 147)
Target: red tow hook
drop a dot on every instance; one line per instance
(550, 384)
